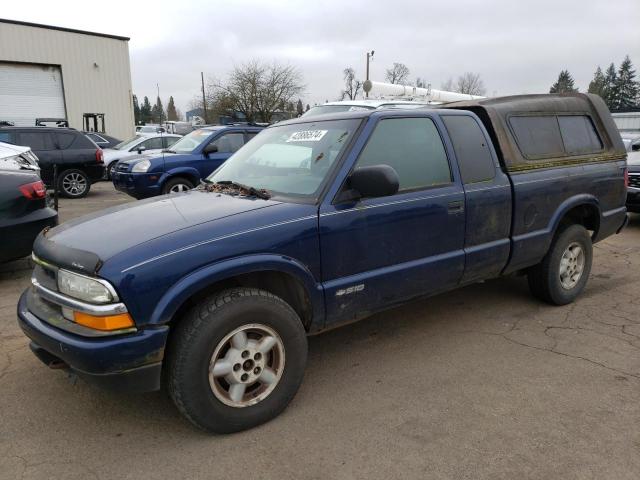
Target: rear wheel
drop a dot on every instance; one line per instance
(236, 360)
(564, 271)
(74, 183)
(177, 185)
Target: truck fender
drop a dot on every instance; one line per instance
(569, 204)
(200, 279)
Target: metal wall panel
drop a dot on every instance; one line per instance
(96, 75)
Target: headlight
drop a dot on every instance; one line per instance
(141, 166)
(84, 288)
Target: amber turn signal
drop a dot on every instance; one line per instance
(106, 323)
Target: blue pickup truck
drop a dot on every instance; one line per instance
(180, 167)
(318, 222)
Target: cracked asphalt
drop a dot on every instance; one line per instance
(482, 382)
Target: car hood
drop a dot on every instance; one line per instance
(86, 242)
(10, 150)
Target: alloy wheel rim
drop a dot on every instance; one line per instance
(246, 365)
(179, 187)
(572, 266)
(74, 184)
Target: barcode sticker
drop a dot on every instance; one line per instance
(307, 136)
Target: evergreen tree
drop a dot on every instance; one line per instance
(299, 108)
(157, 112)
(145, 111)
(598, 84)
(136, 110)
(564, 84)
(626, 87)
(610, 87)
(172, 114)
(307, 108)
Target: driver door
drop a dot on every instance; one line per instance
(377, 252)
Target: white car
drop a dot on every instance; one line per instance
(8, 150)
(353, 105)
(153, 143)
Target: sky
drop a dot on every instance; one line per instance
(516, 46)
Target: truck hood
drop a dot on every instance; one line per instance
(633, 159)
(86, 242)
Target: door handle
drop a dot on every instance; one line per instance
(455, 207)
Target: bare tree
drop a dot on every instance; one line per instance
(352, 85)
(399, 73)
(257, 89)
(448, 85)
(470, 83)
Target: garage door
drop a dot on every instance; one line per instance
(28, 92)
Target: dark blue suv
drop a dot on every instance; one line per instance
(191, 158)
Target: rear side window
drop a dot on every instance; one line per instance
(579, 135)
(537, 136)
(80, 141)
(152, 144)
(168, 141)
(65, 139)
(413, 147)
(471, 147)
(37, 140)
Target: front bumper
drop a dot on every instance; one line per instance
(138, 185)
(633, 200)
(130, 362)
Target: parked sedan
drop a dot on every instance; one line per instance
(23, 202)
(148, 143)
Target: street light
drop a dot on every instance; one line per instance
(369, 57)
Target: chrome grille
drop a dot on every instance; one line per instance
(634, 181)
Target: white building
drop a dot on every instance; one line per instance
(54, 72)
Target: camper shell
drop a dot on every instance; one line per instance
(544, 131)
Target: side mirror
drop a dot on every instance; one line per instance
(371, 182)
(141, 149)
(211, 148)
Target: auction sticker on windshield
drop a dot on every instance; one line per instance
(307, 136)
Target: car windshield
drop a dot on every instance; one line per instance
(322, 109)
(127, 144)
(187, 143)
(292, 160)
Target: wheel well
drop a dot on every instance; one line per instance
(586, 215)
(184, 175)
(283, 285)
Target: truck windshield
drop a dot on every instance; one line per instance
(187, 143)
(292, 160)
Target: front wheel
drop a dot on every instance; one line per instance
(236, 360)
(564, 271)
(177, 185)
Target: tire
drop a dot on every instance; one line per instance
(73, 183)
(551, 280)
(176, 185)
(111, 169)
(195, 345)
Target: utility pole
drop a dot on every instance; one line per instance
(204, 100)
(369, 57)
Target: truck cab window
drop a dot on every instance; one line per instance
(413, 147)
(471, 147)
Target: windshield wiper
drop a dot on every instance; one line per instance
(166, 150)
(262, 193)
